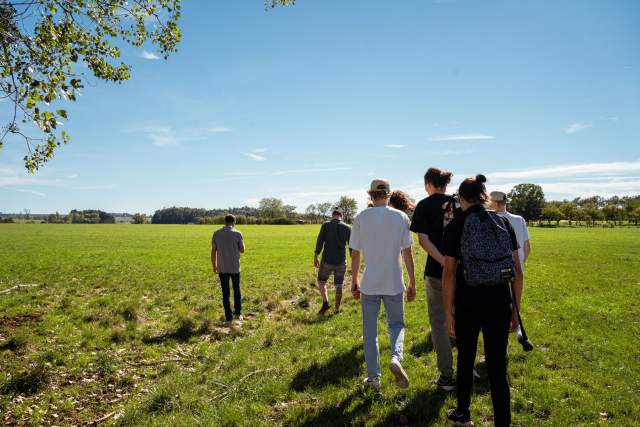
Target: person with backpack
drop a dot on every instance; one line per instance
(331, 242)
(430, 217)
(480, 262)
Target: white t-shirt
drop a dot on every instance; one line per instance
(522, 233)
(380, 233)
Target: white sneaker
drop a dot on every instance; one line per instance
(374, 383)
(402, 380)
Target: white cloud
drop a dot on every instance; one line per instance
(259, 150)
(21, 190)
(162, 135)
(71, 175)
(254, 156)
(148, 55)
(462, 137)
(394, 146)
(610, 118)
(569, 170)
(577, 127)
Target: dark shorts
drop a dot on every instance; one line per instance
(325, 270)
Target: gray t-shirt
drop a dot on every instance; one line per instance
(228, 241)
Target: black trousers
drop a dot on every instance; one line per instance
(226, 293)
(494, 322)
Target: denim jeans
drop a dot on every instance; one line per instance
(226, 293)
(394, 310)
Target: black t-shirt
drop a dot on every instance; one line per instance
(473, 295)
(429, 218)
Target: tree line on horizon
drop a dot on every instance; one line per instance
(527, 200)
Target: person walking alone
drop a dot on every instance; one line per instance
(226, 246)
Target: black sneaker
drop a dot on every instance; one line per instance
(459, 418)
(446, 383)
(324, 308)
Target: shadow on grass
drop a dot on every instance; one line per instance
(423, 408)
(342, 414)
(422, 347)
(342, 366)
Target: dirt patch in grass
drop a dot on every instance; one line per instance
(12, 322)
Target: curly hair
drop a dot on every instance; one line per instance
(401, 201)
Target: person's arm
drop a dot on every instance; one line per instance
(448, 293)
(517, 290)
(407, 255)
(527, 249)
(241, 247)
(214, 257)
(430, 248)
(355, 273)
(319, 246)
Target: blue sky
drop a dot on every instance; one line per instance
(310, 102)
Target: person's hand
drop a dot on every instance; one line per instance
(215, 269)
(514, 322)
(450, 325)
(355, 290)
(316, 262)
(411, 292)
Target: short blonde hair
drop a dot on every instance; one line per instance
(379, 194)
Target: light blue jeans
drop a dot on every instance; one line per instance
(394, 310)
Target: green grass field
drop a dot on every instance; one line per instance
(122, 324)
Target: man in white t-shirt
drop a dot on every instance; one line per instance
(499, 204)
(382, 235)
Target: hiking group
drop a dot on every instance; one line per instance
(476, 253)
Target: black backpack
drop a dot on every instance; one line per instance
(485, 249)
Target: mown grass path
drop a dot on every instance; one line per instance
(122, 324)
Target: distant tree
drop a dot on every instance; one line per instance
(613, 212)
(270, 207)
(350, 207)
(324, 209)
(592, 212)
(569, 210)
(289, 211)
(527, 200)
(312, 212)
(551, 213)
(54, 218)
(140, 218)
(635, 215)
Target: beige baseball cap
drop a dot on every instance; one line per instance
(380, 184)
(498, 196)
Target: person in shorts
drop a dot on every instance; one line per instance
(332, 241)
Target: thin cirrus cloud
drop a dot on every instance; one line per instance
(149, 55)
(162, 135)
(473, 136)
(394, 146)
(577, 127)
(253, 155)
